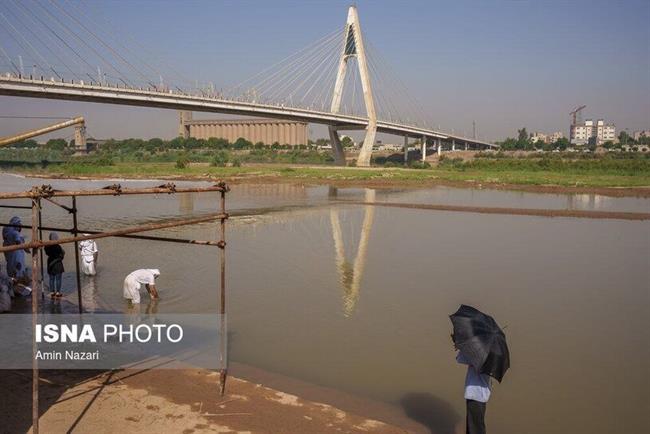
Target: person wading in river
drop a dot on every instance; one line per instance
(55, 255)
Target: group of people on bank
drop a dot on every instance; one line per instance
(15, 279)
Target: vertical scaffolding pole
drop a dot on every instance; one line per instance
(75, 232)
(222, 305)
(36, 205)
(40, 251)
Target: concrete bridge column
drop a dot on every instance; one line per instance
(439, 147)
(453, 144)
(406, 150)
(337, 147)
(424, 149)
(466, 146)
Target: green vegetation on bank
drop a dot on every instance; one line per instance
(216, 158)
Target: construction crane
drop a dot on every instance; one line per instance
(576, 114)
(79, 133)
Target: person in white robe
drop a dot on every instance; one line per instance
(134, 281)
(89, 255)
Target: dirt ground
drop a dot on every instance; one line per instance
(383, 183)
(181, 401)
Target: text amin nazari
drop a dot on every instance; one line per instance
(66, 355)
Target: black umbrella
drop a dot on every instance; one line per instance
(481, 341)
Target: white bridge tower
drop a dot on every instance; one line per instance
(353, 47)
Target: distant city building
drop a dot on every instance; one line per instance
(598, 132)
(546, 138)
(538, 137)
(267, 131)
(639, 134)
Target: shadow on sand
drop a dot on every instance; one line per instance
(432, 412)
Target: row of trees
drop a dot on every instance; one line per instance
(524, 142)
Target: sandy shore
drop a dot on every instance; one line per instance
(182, 401)
(643, 192)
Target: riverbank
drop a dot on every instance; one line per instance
(179, 400)
(534, 181)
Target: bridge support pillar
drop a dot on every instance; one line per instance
(353, 47)
(366, 149)
(337, 147)
(406, 150)
(466, 146)
(424, 149)
(453, 144)
(439, 147)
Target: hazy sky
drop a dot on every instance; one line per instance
(504, 64)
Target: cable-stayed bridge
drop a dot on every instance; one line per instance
(56, 50)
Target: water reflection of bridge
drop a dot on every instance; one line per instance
(351, 273)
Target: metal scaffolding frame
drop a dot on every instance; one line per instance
(36, 245)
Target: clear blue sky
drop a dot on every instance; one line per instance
(505, 64)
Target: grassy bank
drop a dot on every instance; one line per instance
(492, 172)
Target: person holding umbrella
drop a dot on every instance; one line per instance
(481, 345)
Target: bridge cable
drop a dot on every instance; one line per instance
(292, 76)
(65, 27)
(9, 59)
(20, 7)
(294, 56)
(31, 47)
(61, 39)
(87, 17)
(284, 74)
(115, 53)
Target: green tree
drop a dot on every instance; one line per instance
(57, 144)
(624, 138)
(220, 159)
(347, 142)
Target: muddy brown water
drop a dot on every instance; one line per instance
(357, 298)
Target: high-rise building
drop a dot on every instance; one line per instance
(597, 132)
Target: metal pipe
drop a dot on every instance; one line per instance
(75, 232)
(111, 190)
(118, 232)
(40, 131)
(35, 374)
(137, 237)
(40, 251)
(60, 205)
(222, 341)
(16, 206)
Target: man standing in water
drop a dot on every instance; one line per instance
(89, 253)
(133, 281)
(477, 394)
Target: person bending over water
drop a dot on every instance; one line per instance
(133, 282)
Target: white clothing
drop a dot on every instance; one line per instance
(134, 281)
(477, 386)
(88, 250)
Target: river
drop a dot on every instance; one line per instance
(356, 298)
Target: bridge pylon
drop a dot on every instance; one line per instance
(353, 47)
